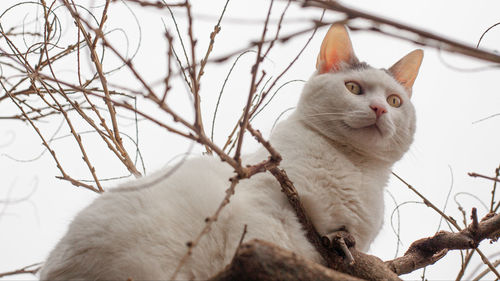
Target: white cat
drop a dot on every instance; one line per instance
(351, 124)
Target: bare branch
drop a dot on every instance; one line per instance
(427, 251)
(29, 269)
(253, 87)
(260, 260)
(422, 37)
(94, 57)
(476, 175)
(157, 4)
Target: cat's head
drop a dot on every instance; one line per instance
(357, 105)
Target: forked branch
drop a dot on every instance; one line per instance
(427, 251)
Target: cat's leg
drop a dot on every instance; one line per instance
(341, 241)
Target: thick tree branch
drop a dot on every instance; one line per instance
(260, 260)
(365, 266)
(427, 251)
(421, 253)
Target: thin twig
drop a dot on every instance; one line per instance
(94, 57)
(221, 91)
(423, 37)
(476, 175)
(465, 263)
(486, 271)
(240, 242)
(449, 219)
(61, 109)
(29, 269)
(428, 203)
(488, 263)
(212, 43)
(52, 152)
(157, 4)
(255, 67)
(494, 208)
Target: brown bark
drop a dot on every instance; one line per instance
(365, 266)
(260, 260)
(428, 250)
(421, 253)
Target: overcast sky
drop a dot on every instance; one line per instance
(449, 143)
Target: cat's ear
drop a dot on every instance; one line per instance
(406, 69)
(335, 50)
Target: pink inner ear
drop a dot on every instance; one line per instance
(405, 71)
(335, 49)
(331, 61)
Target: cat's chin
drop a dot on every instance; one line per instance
(371, 130)
(370, 138)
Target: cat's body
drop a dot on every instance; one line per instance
(337, 152)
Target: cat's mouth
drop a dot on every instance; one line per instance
(375, 127)
(370, 127)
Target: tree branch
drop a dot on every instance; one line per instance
(260, 260)
(365, 266)
(422, 37)
(427, 251)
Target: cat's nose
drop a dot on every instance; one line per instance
(378, 109)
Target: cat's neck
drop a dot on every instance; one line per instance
(294, 133)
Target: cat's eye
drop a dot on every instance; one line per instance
(353, 87)
(394, 100)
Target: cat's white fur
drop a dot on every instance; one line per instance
(338, 161)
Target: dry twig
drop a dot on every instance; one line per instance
(29, 269)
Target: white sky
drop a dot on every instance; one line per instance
(447, 145)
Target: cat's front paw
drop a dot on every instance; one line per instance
(340, 241)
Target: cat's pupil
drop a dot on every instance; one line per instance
(394, 101)
(353, 87)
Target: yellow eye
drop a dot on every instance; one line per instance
(394, 100)
(353, 87)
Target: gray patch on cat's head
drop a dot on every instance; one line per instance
(358, 66)
(354, 65)
(388, 72)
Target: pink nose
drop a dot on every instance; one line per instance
(379, 110)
